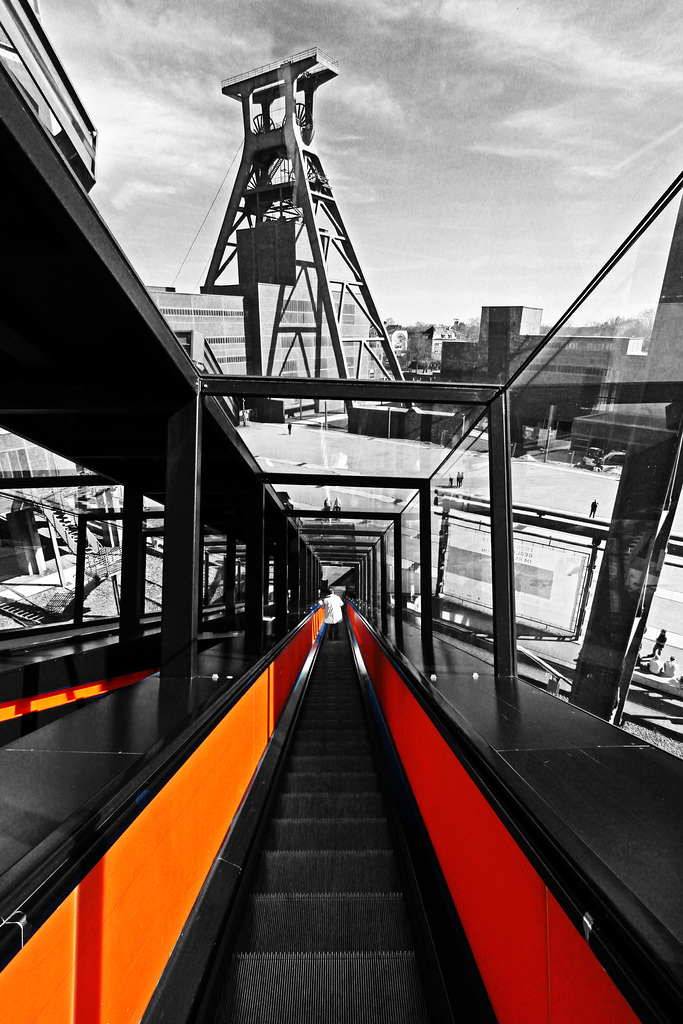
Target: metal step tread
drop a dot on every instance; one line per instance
(329, 782)
(299, 833)
(342, 804)
(329, 922)
(335, 988)
(327, 871)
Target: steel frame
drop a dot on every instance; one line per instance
(280, 176)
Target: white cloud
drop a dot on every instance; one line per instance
(372, 100)
(545, 36)
(135, 189)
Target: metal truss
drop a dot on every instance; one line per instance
(281, 178)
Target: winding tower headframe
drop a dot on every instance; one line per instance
(283, 227)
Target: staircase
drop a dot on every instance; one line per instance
(325, 936)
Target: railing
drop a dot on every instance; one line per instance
(326, 61)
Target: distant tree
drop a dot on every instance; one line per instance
(420, 344)
(469, 330)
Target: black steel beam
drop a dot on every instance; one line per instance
(326, 479)
(383, 589)
(229, 573)
(502, 540)
(79, 583)
(357, 516)
(28, 483)
(182, 543)
(349, 390)
(398, 583)
(280, 577)
(254, 591)
(132, 564)
(426, 626)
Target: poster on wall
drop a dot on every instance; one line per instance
(549, 576)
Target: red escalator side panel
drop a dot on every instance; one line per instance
(536, 967)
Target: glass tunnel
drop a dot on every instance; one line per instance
(463, 806)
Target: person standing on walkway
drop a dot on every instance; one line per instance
(594, 509)
(660, 643)
(326, 507)
(333, 613)
(289, 429)
(336, 507)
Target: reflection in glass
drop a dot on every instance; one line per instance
(461, 543)
(596, 423)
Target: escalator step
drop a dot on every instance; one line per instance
(328, 834)
(329, 782)
(327, 871)
(331, 923)
(338, 735)
(330, 746)
(337, 988)
(350, 762)
(330, 805)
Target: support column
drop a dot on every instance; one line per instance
(281, 577)
(293, 570)
(229, 573)
(398, 582)
(179, 620)
(256, 558)
(502, 540)
(303, 577)
(132, 565)
(384, 590)
(426, 629)
(79, 582)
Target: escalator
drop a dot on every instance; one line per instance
(324, 931)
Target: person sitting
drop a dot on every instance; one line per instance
(671, 669)
(654, 665)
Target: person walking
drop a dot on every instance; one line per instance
(336, 507)
(289, 429)
(594, 509)
(327, 508)
(660, 643)
(333, 613)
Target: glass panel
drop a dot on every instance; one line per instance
(595, 422)
(39, 531)
(374, 439)
(28, 57)
(213, 575)
(462, 600)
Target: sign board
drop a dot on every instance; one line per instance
(549, 576)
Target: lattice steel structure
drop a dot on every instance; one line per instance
(305, 293)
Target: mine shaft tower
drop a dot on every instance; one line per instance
(304, 290)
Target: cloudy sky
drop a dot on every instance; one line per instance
(481, 151)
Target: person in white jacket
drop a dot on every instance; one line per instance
(333, 613)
